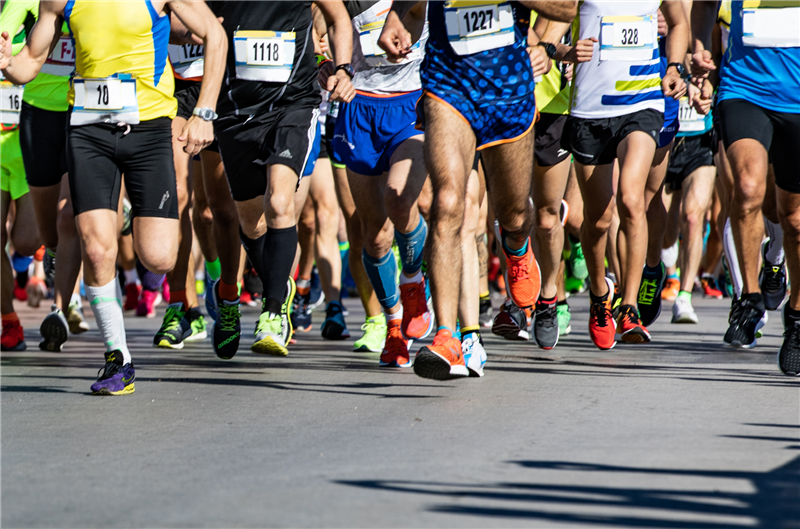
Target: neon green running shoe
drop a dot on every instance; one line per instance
(175, 328)
(273, 331)
(198, 325)
(374, 335)
(577, 262)
(573, 285)
(564, 318)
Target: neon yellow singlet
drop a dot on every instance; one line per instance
(550, 97)
(113, 37)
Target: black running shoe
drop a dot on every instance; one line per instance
(649, 300)
(747, 316)
(334, 326)
(174, 329)
(49, 264)
(227, 327)
(545, 325)
(485, 316)
(511, 323)
(772, 281)
(789, 355)
(54, 331)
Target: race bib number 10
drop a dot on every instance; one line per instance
(478, 27)
(109, 100)
(264, 55)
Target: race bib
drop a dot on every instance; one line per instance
(374, 54)
(264, 55)
(771, 27)
(690, 120)
(62, 60)
(10, 102)
(627, 38)
(187, 60)
(474, 28)
(109, 100)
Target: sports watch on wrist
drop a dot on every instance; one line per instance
(678, 66)
(205, 113)
(549, 49)
(347, 69)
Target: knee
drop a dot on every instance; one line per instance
(693, 219)
(790, 222)
(66, 221)
(514, 218)
(748, 194)
(547, 221)
(158, 262)
(632, 207)
(597, 223)
(99, 254)
(447, 210)
(222, 211)
(398, 206)
(201, 214)
(281, 206)
(378, 241)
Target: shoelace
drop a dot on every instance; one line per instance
(773, 280)
(647, 291)
(228, 317)
(736, 310)
(600, 314)
(174, 321)
(108, 370)
(271, 325)
(548, 315)
(370, 326)
(521, 270)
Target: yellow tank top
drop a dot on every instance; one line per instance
(124, 37)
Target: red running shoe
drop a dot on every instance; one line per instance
(132, 293)
(524, 278)
(20, 293)
(629, 326)
(710, 289)
(441, 360)
(395, 350)
(13, 338)
(601, 321)
(417, 317)
(148, 302)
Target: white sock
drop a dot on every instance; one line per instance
(106, 302)
(733, 258)
(397, 315)
(131, 277)
(670, 255)
(774, 252)
(76, 300)
(416, 278)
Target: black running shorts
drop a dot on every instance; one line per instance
(98, 155)
(547, 139)
(689, 154)
(43, 141)
(595, 141)
(248, 144)
(778, 132)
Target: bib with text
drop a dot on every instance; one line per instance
(627, 38)
(264, 55)
(109, 100)
(473, 27)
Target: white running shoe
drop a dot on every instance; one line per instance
(683, 312)
(474, 355)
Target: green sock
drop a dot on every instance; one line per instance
(213, 269)
(685, 295)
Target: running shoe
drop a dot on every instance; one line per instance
(747, 316)
(577, 262)
(54, 330)
(511, 322)
(75, 319)
(629, 326)
(211, 288)
(227, 326)
(374, 338)
(13, 337)
(671, 288)
(709, 286)
(545, 325)
(49, 265)
(601, 321)
(564, 318)
(524, 279)
(442, 360)
(165, 292)
(573, 285)
(417, 316)
(175, 328)
(772, 281)
(132, 293)
(395, 349)
(301, 312)
(474, 354)
(316, 295)
(148, 302)
(115, 378)
(198, 325)
(37, 291)
(20, 293)
(485, 316)
(789, 355)
(683, 312)
(649, 300)
(273, 331)
(725, 279)
(334, 326)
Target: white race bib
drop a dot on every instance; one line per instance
(62, 60)
(480, 27)
(109, 100)
(771, 27)
(10, 103)
(264, 55)
(690, 120)
(187, 60)
(627, 38)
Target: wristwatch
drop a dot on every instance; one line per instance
(205, 113)
(347, 69)
(678, 66)
(549, 49)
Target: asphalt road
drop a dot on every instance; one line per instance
(682, 432)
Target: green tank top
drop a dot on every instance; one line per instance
(550, 97)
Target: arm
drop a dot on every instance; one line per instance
(677, 44)
(23, 67)
(202, 23)
(544, 31)
(395, 39)
(556, 10)
(704, 15)
(340, 37)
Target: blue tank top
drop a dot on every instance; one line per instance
(670, 105)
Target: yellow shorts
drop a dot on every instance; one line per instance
(12, 170)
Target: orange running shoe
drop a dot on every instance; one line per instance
(710, 289)
(601, 321)
(417, 317)
(13, 338)
(524, 279)
(395, 350)
(629, 326)
(442, 360)
(671, 288)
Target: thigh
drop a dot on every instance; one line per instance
(407, 171)
(596, 183)
(449, 148)
(549, 185)
(146, 158)
(368, 196)
(94, 176)
(698, 188)
(509, 170)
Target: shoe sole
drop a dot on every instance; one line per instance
(381, 363)
(335, 332)
(197, 337)
(508, 329)
(21, 346)
(105, 392)
(364, 349)
(428, 364)
(54, 334)
(302, 329)
(75, 327)
(738, 343)
(684, 319)
(165, 344)
(268, 346)
(633, 336)
(546, 348)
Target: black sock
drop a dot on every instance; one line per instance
(280, 247)
(790, 316)
(22, 278)
(598, 299)
(255, 251)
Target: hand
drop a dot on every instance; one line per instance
(672, 85)
(540, 62)
(323, 45)
(395, 40)
(340, 87)
(568, 71)
(326, 70)
(701, 98)
(702, 63)
(5, 50)
(582, 51)
(198, 134)
(663, 29)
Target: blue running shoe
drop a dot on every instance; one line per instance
(316, 296)
(301, 313)
(116, 378)
(211, 306)
(334, 327)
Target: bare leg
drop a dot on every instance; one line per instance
(698, 188)
(549, 185)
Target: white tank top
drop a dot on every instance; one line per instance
(373, 72)
(624, 74)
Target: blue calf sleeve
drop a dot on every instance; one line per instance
(382, 274)
(411, 245)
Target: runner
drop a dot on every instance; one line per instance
(473, 75)
(122, 106)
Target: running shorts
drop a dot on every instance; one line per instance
(595, 141)
(330, 129)
(668, 132)
(371, 127)
(249, 143)
(778, 132)
(43, 139)
(547, 139)
(12, 170)
(186, 93)
(97, 156)
(316, 150)
(689, 154)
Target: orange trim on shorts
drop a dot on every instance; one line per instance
(510, 140)
(445, 103)
(383, 96)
